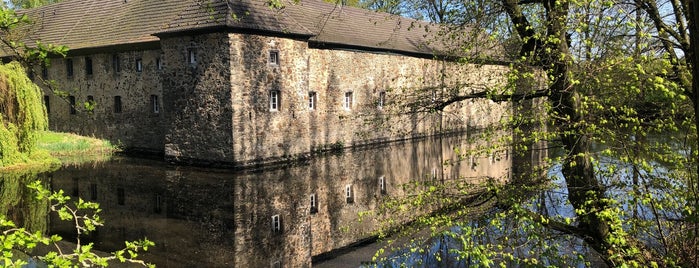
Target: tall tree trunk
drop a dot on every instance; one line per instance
(552, 54)
(693, 58)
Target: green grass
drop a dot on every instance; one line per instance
(61, 145)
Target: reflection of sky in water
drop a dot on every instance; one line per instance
(552, 202)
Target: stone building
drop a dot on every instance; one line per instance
(238, 83)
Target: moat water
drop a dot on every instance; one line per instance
(284, 216)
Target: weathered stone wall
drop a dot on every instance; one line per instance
(198, 97)
(216, 105)
(267, 135)
(137, 125)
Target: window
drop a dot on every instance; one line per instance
(349, 194)
(276, 264)
(347, 102)
(116, 63)
(44, 72)
(312, 100)
(117, 104)
(314, 204)
(71, 101)
(154, 103)
(191, 56)
(274, 100)
(90, 103)
(274, 57)
(382, 99)
(159, 63)
(47, 103)
(139, 65)
(69, 67)
(88, 66)
(276, 224)
(382, 184)
(121, 198)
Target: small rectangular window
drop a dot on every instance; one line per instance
(312, 100)
(382, 99)
(276, 223)
(274, 57)
(117, 104)
(159, 63)
(276, 264)
(347, 102)
(71, 102)
(274, 100)
(88, 66)
(314, 204)
(349, 194)
(69, 67)
(44, 72)
(116, 63)
(155, 104)
(139, 65)
(90, 103)
(382, 184)
(191, 56)
(47, 103)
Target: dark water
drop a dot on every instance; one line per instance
(257, 218)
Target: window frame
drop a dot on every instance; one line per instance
(70, 72)
(88, 66)
(191, 56)
(47, 103)
(382, 100)
(116, 63)
(139, 65)
(312, 100)
(314, 203)
(155, 103)
(348, 100)
(276, 223)
(274, 100)
(44, 72)
(382, 185)
(117, 104)
(273, 58)
(349, 194)
(71, 103)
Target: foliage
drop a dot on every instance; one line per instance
(618, 106)
(24, 4)
(22, 115)
(85, 215)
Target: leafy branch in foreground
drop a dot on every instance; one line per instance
(85, 216)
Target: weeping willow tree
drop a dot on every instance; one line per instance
(22, 116)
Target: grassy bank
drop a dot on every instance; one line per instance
(71, 148)
(57, 148)
(61, 144)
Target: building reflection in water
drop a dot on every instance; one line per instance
(279, 217)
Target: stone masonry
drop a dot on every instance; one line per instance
(267, 88)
